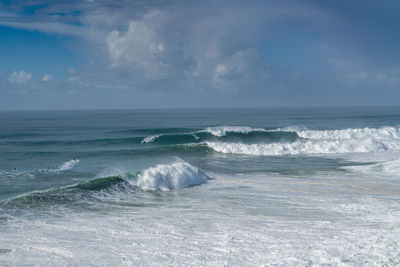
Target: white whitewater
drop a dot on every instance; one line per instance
(171, 176)
(384, 133)
(320, 142)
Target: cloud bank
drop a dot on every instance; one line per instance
(302, 52)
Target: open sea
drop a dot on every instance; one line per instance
(201, 187)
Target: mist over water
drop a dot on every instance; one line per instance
(201, 187)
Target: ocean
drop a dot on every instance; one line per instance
(201, 187)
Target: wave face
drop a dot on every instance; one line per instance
(171, 176)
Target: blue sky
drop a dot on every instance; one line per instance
(157, 54)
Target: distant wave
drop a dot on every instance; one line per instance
(68, 165)
(233, 133)
(247, 140)
(295, 140)
(287, 141)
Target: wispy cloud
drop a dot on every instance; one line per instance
(47, 27)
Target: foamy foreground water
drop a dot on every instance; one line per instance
(236, 220)
(200, 195)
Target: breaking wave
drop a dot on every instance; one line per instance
(352, 140)
(300, 147)
(347, 134)
(171, 176)
(164, 177)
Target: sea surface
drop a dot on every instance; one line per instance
(196, 187)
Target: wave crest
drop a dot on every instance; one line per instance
(171, 176)
(220, 131)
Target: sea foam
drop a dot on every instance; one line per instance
(300, 147)
(171, 176)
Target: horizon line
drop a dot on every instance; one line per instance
(203, 108)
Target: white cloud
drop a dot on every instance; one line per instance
(149, 45)
(139, 46)
(47, 78)
(20, 77)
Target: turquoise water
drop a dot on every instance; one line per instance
(201, 187)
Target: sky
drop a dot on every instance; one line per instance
(111, 54)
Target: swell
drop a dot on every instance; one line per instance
(171, 139)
